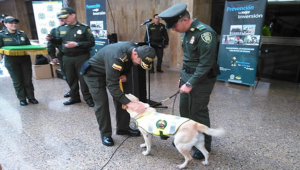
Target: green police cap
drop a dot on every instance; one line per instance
(59, 15)
(65, 12)
(10, 19)
(147, 55)
(173, 14)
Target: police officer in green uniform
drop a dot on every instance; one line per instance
(51, 46)
(105, 70)
(198, 75)
(19, 67)
(159, 40)
(77, 41)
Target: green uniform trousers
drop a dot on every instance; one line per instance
(97, 86)
(72, 66)
(20, 70)
(159, 53)
(194, 105)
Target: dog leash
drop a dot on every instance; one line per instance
(161, 102)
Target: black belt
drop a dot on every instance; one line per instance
(188, 70)
(75, 54)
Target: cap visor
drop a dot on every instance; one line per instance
(63, 16)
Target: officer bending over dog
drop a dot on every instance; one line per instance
(105, 70)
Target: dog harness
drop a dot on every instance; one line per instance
(160, 124)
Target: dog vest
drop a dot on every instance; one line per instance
(160, 124)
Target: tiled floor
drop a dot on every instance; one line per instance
(262, 129)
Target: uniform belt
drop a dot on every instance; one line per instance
(188, 70)
(75, 54)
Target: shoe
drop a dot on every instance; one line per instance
(151, 71)
(67, 94)
(129, 132)
(198, 154)
(107, 141)
(72, 101)
(90, 103)
(23, 103)
(159, 71)
(33, 101)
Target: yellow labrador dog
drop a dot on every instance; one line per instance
(187, 133)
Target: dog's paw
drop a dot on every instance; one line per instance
(143, 145)
(181, 166)
(145, 153)
(204, 162)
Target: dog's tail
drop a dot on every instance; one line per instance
(209, 131)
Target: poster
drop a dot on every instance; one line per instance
(45, 18)
(240, 40)
(96, 19)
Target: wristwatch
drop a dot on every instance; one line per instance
(77, 44)
(188, 84)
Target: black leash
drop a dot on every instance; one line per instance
(161, 102)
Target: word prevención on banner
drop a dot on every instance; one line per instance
(96, 9)
(244, 11)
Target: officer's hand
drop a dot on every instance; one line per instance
(71, 44)
(185, 89)
(55, 60)
(137, 107)
(123, 78)
(48, 37)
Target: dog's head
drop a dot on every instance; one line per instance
(133, 113)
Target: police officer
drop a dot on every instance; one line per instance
(77, 41)
(198, 75)
(19, 67)
(159, 40)
(105, 70)
(51, 46)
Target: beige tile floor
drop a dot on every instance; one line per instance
(262, 129)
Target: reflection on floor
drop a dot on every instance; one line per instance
(262, 129)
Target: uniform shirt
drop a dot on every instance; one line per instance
(51, 46)
(156, 123)
(158, 34)
(111, 62)
(15, 39)
(199, 45)
(79, 33)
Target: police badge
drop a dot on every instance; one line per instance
(79, 32)
(206, 37)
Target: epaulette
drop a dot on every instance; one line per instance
(21, 31)
(200, 27)
(0, 31)
(84, 24)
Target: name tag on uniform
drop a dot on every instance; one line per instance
(7, 39)
(63, 32)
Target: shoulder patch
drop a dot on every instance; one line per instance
(201, 27)
(117, 67)
(206, 37)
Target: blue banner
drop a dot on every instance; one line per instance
(240, 40)
(96, 19)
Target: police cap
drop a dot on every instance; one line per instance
(58, 15)
(147, 55)
(10, 19)
(65, 12)
(173, 14)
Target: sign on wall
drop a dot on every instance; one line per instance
(240, 40)
(45, 18)
(96, 19)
